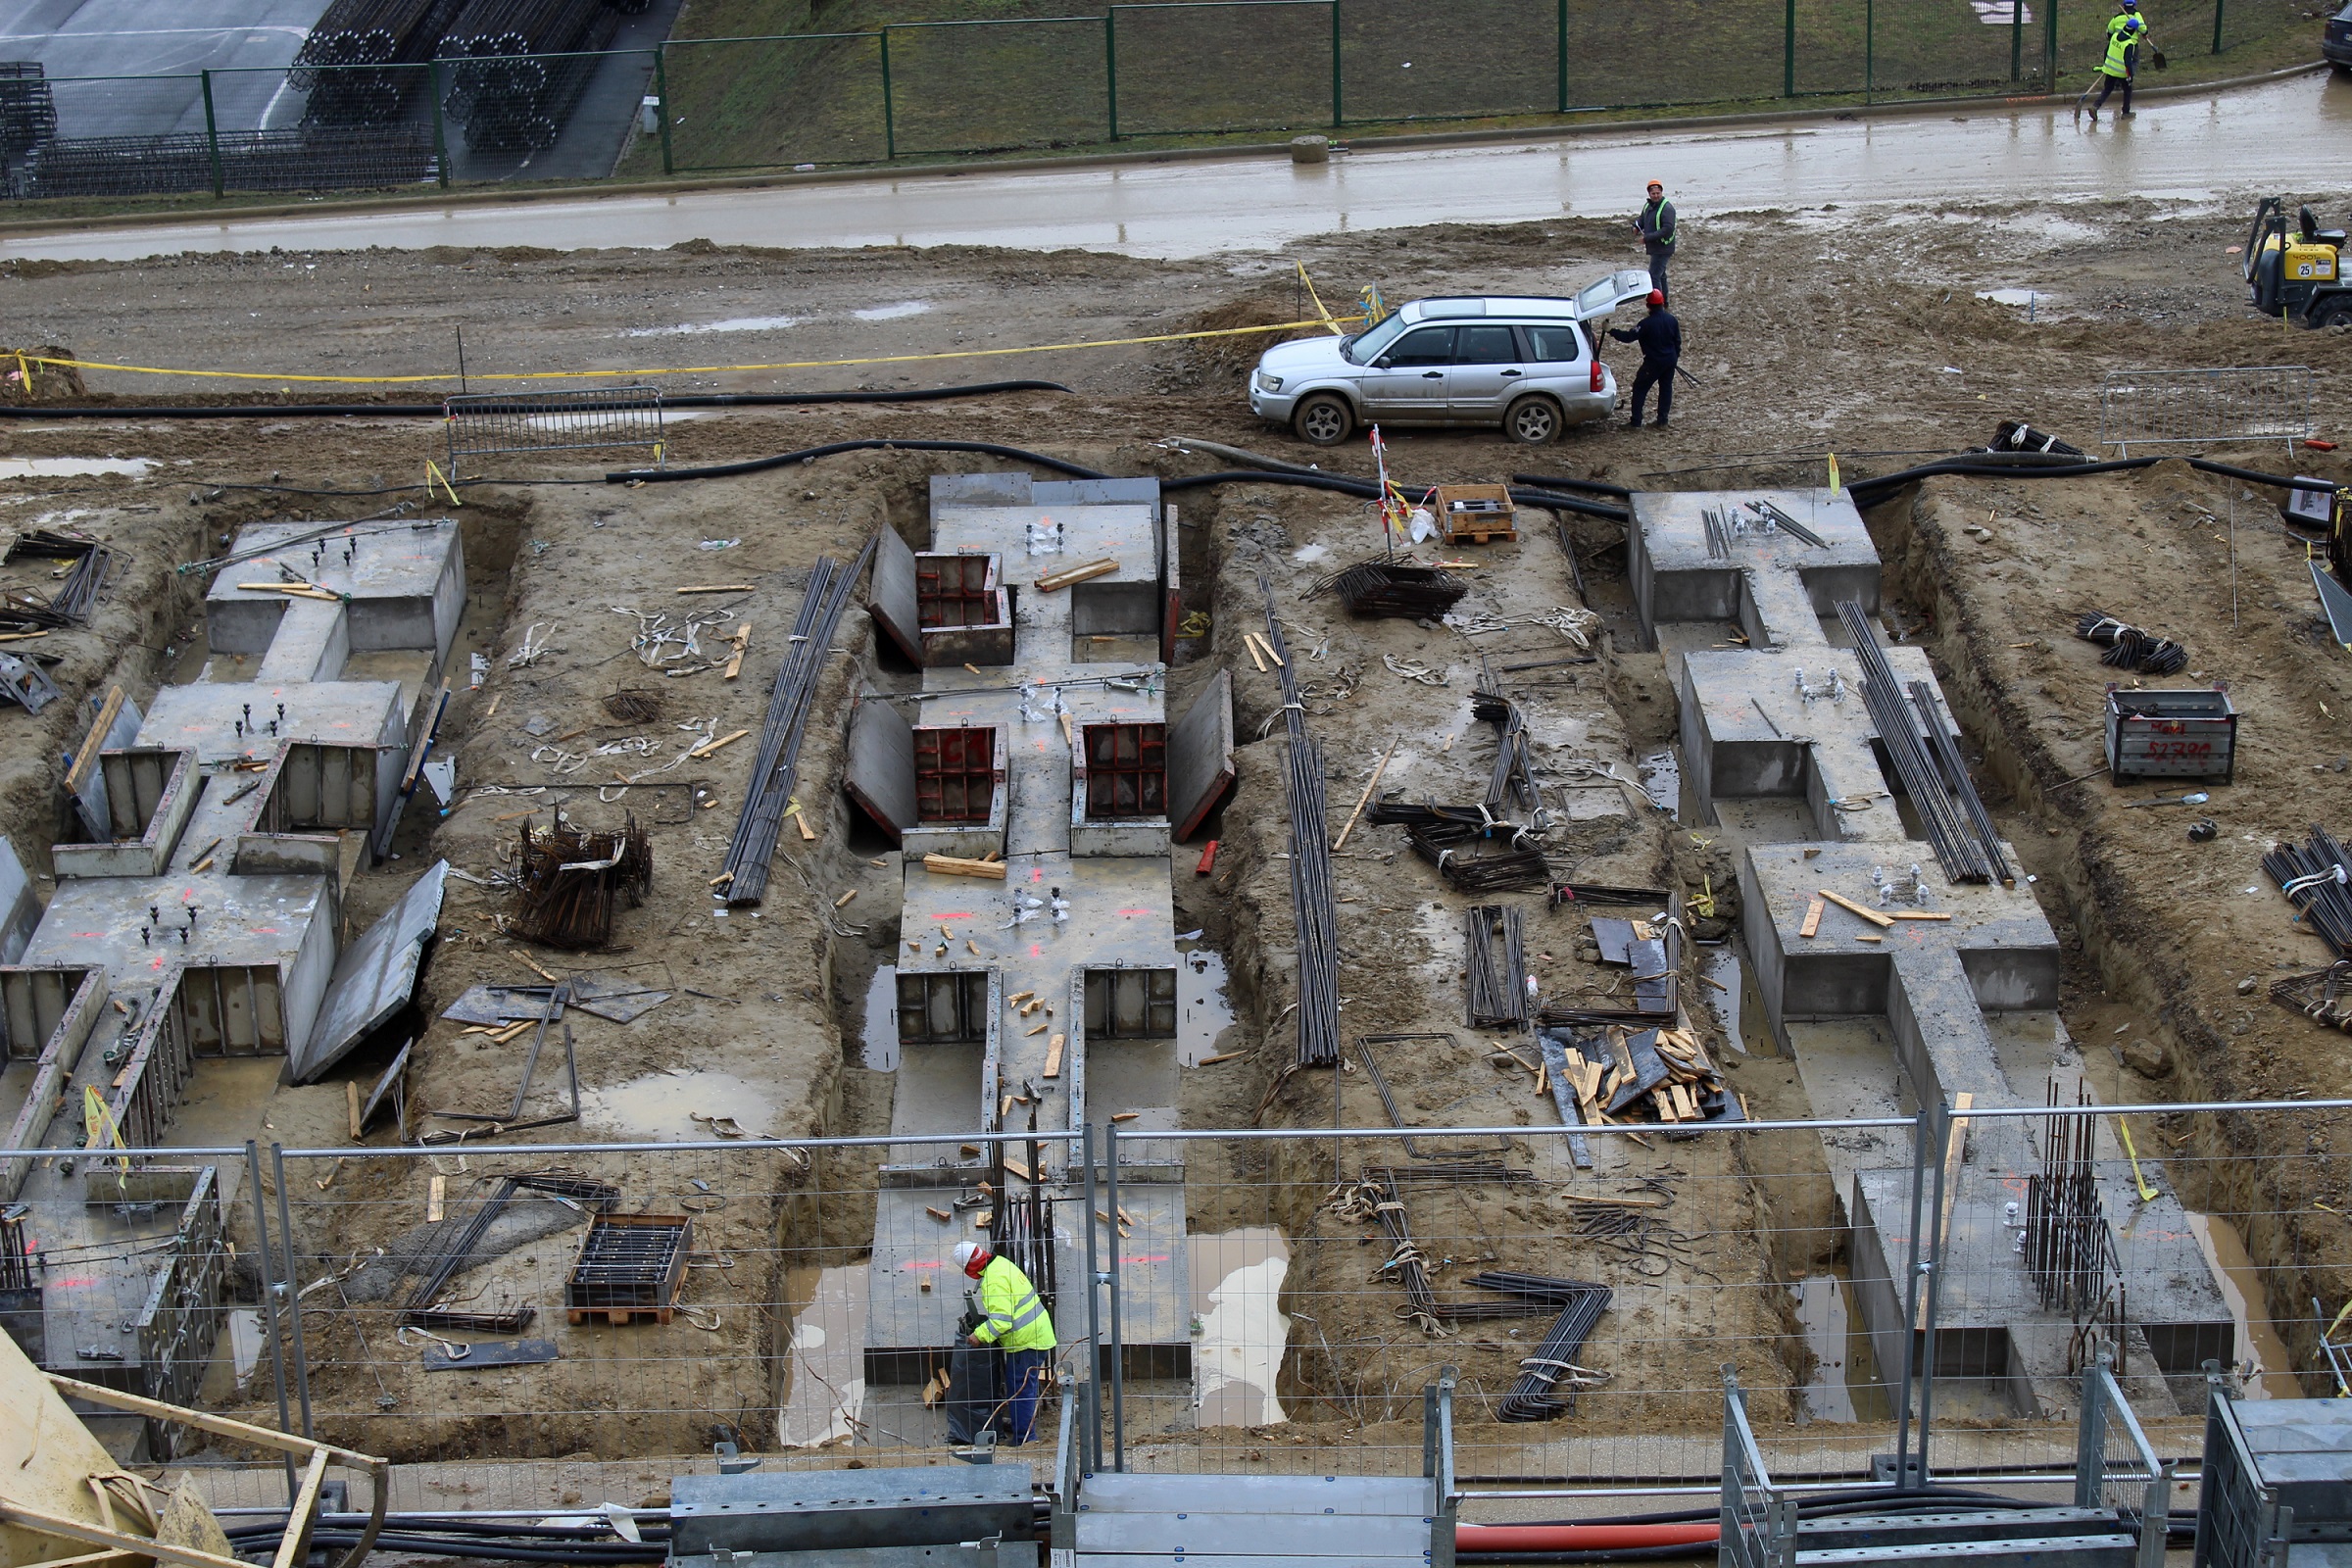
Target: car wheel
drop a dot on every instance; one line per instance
(1533, 422)
(1323, 419)
(2333, 313)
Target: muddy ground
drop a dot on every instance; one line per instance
(1808, 334)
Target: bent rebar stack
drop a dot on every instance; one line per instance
(1930, 768)
(570, 881)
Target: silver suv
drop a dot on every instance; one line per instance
(1526, 364)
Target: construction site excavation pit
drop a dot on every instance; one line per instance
(1573, 830)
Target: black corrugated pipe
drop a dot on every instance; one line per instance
(1560, 481)
(434, 411)
(1973, 465)
(1337, 483)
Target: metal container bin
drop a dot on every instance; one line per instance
(2171, 735)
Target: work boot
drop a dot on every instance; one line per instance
(2126, 113)
(1632, 425)
(1658, 425)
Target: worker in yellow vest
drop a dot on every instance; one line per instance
(2126, 33)
(1015, 1322)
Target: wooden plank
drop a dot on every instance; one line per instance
(437, 1199)
(219, 1425)
(1063, 579)
(959, 865)
(1366, 798)
(1917, 914)
(742, 641)
(1250, 647)
(709, 746)
(1813, 913)
(87, 756)
(1885, 922)
(1053, 1055)
(1641, 1200)
(294, 1544)
(351, 1107)
(1953, 1154)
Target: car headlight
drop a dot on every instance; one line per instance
(1268, 382)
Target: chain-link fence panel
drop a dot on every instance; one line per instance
(1246, 65)
(989, 86)
(745, 103)
(1400, 60)
(1677, 53)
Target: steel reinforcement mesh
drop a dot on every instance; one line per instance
(294, 160)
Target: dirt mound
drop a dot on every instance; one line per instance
(26, 380)
(1214, 361)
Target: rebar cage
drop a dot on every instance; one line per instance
(2206, 407)
(590, 419)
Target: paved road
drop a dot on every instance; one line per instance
(2284, 136)
(253, 39)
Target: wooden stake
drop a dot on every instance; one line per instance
(350, 1106)
(1251, 645)
(1366, 796)
(436, 1196)
(1224, 1055)
(1917, 914)
(1885, 922)
(1054, 580)
(959, 865)
(708, 747)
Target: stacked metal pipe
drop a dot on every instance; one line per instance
(1933, 775)
(753, 846)
(1312, 894)
(27, 108)
(517, 67)
(364, 62)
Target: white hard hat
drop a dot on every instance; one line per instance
(965, 1252)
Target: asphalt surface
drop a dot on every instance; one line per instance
(252, 40)
(2286, 135)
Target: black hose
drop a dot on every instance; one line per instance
(1367, 489)
(587, 1553)
(1560, 481)
(2069, 470)
(1689, 1550)
(436, 410)
(782, 459)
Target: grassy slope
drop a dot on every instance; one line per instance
(1268, 69)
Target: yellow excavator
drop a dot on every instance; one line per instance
(2298, 273)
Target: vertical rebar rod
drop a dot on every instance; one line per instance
(278, 1349)
(1118, 1358)
(285, 1234)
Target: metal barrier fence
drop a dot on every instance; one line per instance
(2203, 407)
(2117, 1469)
(593, 419)
(1254, 1302)
(1104, 76)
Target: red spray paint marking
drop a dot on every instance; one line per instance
(1132, 913)
(1036, 951)
(933, 1264)
(1156, 1257)
(954, 914)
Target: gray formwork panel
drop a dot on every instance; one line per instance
(20, 907)
(880, 776)
(828, 1510)
(1201, 757)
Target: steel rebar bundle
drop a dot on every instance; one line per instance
(1375, 1196)
(2068, 1250)
(2324, 995)
(1497, 966)
(78, 594)
(1786, 524)
(1949, 826)
(1311, 898)
(770, 792)
(2130, 648)
(2317, 878)
(1947, 757)
(569, 881)
(1022, 1229)
(16, 1262)
(1512, 783)
(1379, 588)
(1533, 1396)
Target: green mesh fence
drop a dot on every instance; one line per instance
(1673, 51)
(1405, 59)
(743, 102)
(1251, 64)
(989, 86)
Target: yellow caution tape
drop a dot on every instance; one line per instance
(1320, 309)
(432, 472)
(1834, 486)
(698, 370)
(98, 1125)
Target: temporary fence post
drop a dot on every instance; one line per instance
(278, 1350)
(2049, 45)
(212, 135)
(1789, 52)
(890, 128)
(2017, 39)
(436, 81)
(2091, 1436)
(1564, 56)
(1939, 1145)
(2219, 8)
(1094, 1279)
(1870, 50)
(661, 105)
(1119, 1369)
(1911, 1272)
(1338, 103)
(1111, 65)
(293, 1276)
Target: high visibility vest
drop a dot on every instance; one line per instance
(1654, 213)
(2120, 40)
(1014, 1319)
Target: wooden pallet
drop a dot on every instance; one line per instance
(618, 1316)
(1480, 528)
(591, 1293)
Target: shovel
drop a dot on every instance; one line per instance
(2198, 798)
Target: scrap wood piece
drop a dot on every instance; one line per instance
(742, 641)
(1917, 914)
(1885, 922)
(1063, 579)
(1813, 913)
(1608, 1200)
(1053, 1055)
(709, 746)
(1349, 825)
(961, 865)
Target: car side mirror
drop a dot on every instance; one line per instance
(1384, 363)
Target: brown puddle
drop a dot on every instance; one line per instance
(2258, 1343)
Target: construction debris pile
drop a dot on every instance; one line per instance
(1379, 589)
(70, 602)
(1621, 1076)
(569, 881)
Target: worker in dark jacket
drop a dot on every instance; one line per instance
(1656, 224)
(1661, 338)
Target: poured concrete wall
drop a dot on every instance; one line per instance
(20, 910)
